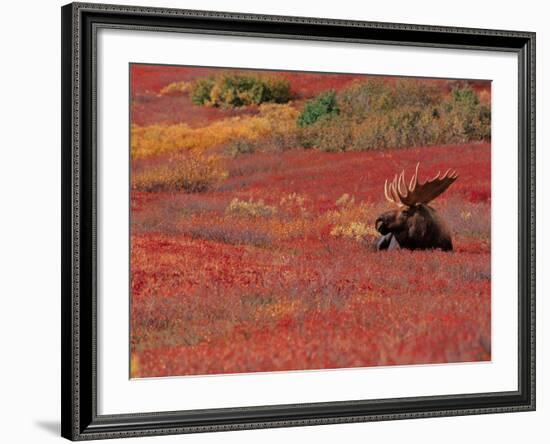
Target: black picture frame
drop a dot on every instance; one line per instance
(80, 420)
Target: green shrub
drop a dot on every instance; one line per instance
(375, 114)
(362, 98)
(323, 107)
(200, 90)
(369, 114)
(235, 90)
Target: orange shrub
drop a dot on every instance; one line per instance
(276, 121)
(176, 89)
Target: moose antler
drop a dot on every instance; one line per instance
(417, 193)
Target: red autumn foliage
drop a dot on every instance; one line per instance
(214, 291)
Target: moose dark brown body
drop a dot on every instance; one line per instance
(413, 228)
(414, 225)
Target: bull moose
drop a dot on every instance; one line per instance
(414, 225)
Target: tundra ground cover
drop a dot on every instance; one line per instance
(270, 264)
(284, 281)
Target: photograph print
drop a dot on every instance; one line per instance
(288, 220)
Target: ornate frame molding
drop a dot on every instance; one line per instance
(80, 420)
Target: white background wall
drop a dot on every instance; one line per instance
(30, 221)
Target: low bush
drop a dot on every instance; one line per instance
(159, 139)
(282, 121)
(250, 208)
(328, 135)
(363, 98)
(274, 126)
(200, 90)
(176, 89)
(465, 117)
(377, 115)
(407, 126)
(323, 107)
(235, 90)
(358, 231)
(193, 172)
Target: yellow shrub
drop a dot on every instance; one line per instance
(159, 139)
(354, 230)
(277, 309)
(194, 172)
(348, 211)
(250, 208)
(281, 118)
(346, 217)
(345, 200)
(273, 120)
(134, 366)
(176, 89)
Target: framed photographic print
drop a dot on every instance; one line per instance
(279, 221)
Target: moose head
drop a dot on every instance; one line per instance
(414, 225)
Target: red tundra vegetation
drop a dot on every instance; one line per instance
(273, 266)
